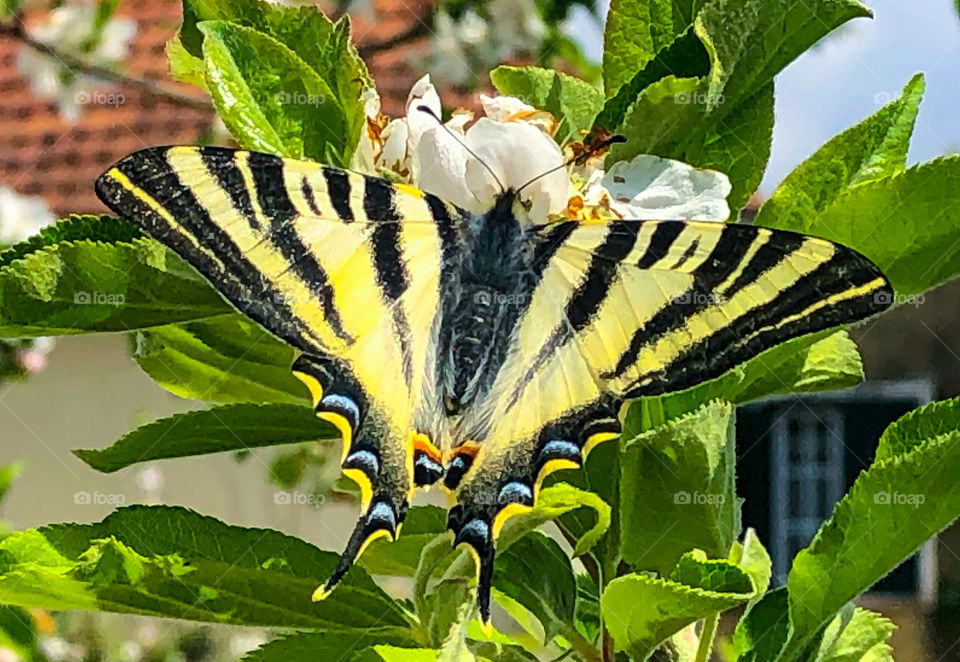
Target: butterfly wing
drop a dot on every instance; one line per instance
(632, 308)
(344, 267)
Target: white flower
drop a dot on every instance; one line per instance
(650, 187)
(67, 28)
(512, 148)
(21, 216)
(519, 25)
(516, 151)
(480, 41)
(364, 157)
(504, 109)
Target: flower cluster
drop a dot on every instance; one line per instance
(468, 161)
(74, 28)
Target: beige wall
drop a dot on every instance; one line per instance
(90, 395)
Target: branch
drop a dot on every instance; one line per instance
(422, 27)
(16, 31)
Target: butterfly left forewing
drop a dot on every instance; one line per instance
(634, 308)
(344, 267)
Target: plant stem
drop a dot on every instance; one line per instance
(707, 635)
(15, 30)
(583, 648)
(608, 572)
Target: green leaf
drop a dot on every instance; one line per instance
(892, 508)
(215, 430)
(874, 149)
(641, 611)
(818, 362)
(83, 285)
(536, 572)
(8, 473)
(554, 501)
(227, 359)
(850, 639)
(326, 645)
(763, 629)
(184, 65)
(101, 229)
(324, 46)
(269, 98)
(935, 420)
(686, 57)
(695, 569)
(751, 40)
(573, 102)
(401, 557)
(636, 30)
(739, 145)
(18, 632)
(395, 654)
(752, 557)
(906, 224)
(172, 562)
(748, 42)
(677, 489)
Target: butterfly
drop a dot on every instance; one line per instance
(475, 350)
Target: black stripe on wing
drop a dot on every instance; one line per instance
(239, 281)
(274, 201)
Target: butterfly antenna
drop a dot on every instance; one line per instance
(579, 158)
(429, 111)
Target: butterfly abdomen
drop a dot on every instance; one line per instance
(483, 306)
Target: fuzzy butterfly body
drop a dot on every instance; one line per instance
(476, 351)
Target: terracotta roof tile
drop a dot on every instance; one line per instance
(49, 156)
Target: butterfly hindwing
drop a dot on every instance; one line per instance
(632, 308)
(344, 267)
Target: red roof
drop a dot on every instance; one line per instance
(51, 157)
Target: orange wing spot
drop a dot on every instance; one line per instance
(421, 443)
(467, 448)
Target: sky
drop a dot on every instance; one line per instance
(850, 75)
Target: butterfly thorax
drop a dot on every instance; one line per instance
(481, 307)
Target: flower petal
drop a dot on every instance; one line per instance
(503, 108)
(438, 165)
(423, 93)
(517, 152)
(651, 187)
(393, 155)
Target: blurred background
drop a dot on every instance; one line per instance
(84, 83)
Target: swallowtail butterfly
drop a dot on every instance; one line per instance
(475, 350)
